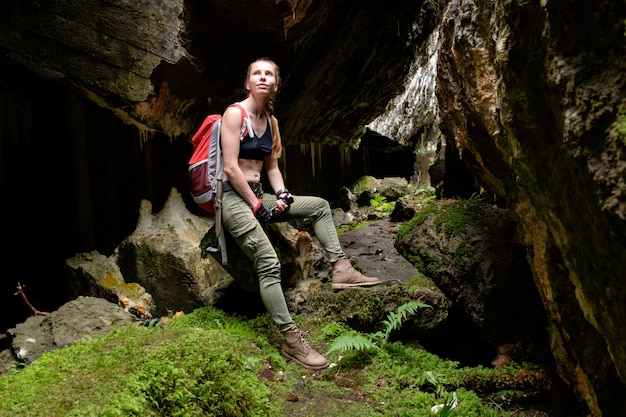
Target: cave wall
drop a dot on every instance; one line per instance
(529, 96)
(72, 176)
(163, 66)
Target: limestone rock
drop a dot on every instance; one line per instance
(533, 111)
(365, 188)
(406, 207)
(163, 255)
(93, 274)
(393, 188)
(81, 317)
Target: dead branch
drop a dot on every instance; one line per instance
(20, 291)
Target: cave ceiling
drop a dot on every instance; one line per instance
(163, 65)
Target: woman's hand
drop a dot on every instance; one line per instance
(261, 213)
(283, 203)
(280, 206)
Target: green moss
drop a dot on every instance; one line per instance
(618, 129)
(364, 183)
(460, 257)
(453, 218)
(416, 260)
(418, 218)
(449, 218)
(419, 280)
(209, 363)
(366, 307)
(433, 268)
(352, 226)
(136, 371)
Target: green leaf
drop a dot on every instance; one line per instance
(352, 342)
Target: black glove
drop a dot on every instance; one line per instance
(281, 192)
(262, 214)
(287, 199)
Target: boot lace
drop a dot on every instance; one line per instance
(302, 341)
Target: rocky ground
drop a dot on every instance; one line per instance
(371, 248)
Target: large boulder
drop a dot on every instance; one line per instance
(163, 255)
(473, 254)
(93, 274)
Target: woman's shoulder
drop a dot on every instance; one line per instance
(235, 111)
(236, 107)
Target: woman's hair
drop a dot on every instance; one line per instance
(277, 147)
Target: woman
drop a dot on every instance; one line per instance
(245, 207)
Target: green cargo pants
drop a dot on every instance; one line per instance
(238, 220)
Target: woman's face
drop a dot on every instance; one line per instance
(262, 78)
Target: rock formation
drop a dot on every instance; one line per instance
(534, 105)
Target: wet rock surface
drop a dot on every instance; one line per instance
(372, 250)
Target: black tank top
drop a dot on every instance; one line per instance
(257, 148)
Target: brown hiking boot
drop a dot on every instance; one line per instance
(345, 276)
(298, 350)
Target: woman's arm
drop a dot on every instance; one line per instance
(231, 127)
(274, 176)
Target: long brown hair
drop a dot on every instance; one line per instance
(277, 147)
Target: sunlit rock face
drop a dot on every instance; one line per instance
(532, 103)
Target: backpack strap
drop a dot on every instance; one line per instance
(246, 128)
(246, 124)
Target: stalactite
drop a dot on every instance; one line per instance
(312, 148)
(345, 161)
(144, 135)
(320, 155)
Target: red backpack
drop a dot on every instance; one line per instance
(206, 167)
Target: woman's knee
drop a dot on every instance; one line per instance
(312, 205)
(261, 252)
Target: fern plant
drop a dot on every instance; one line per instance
(355, 341)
